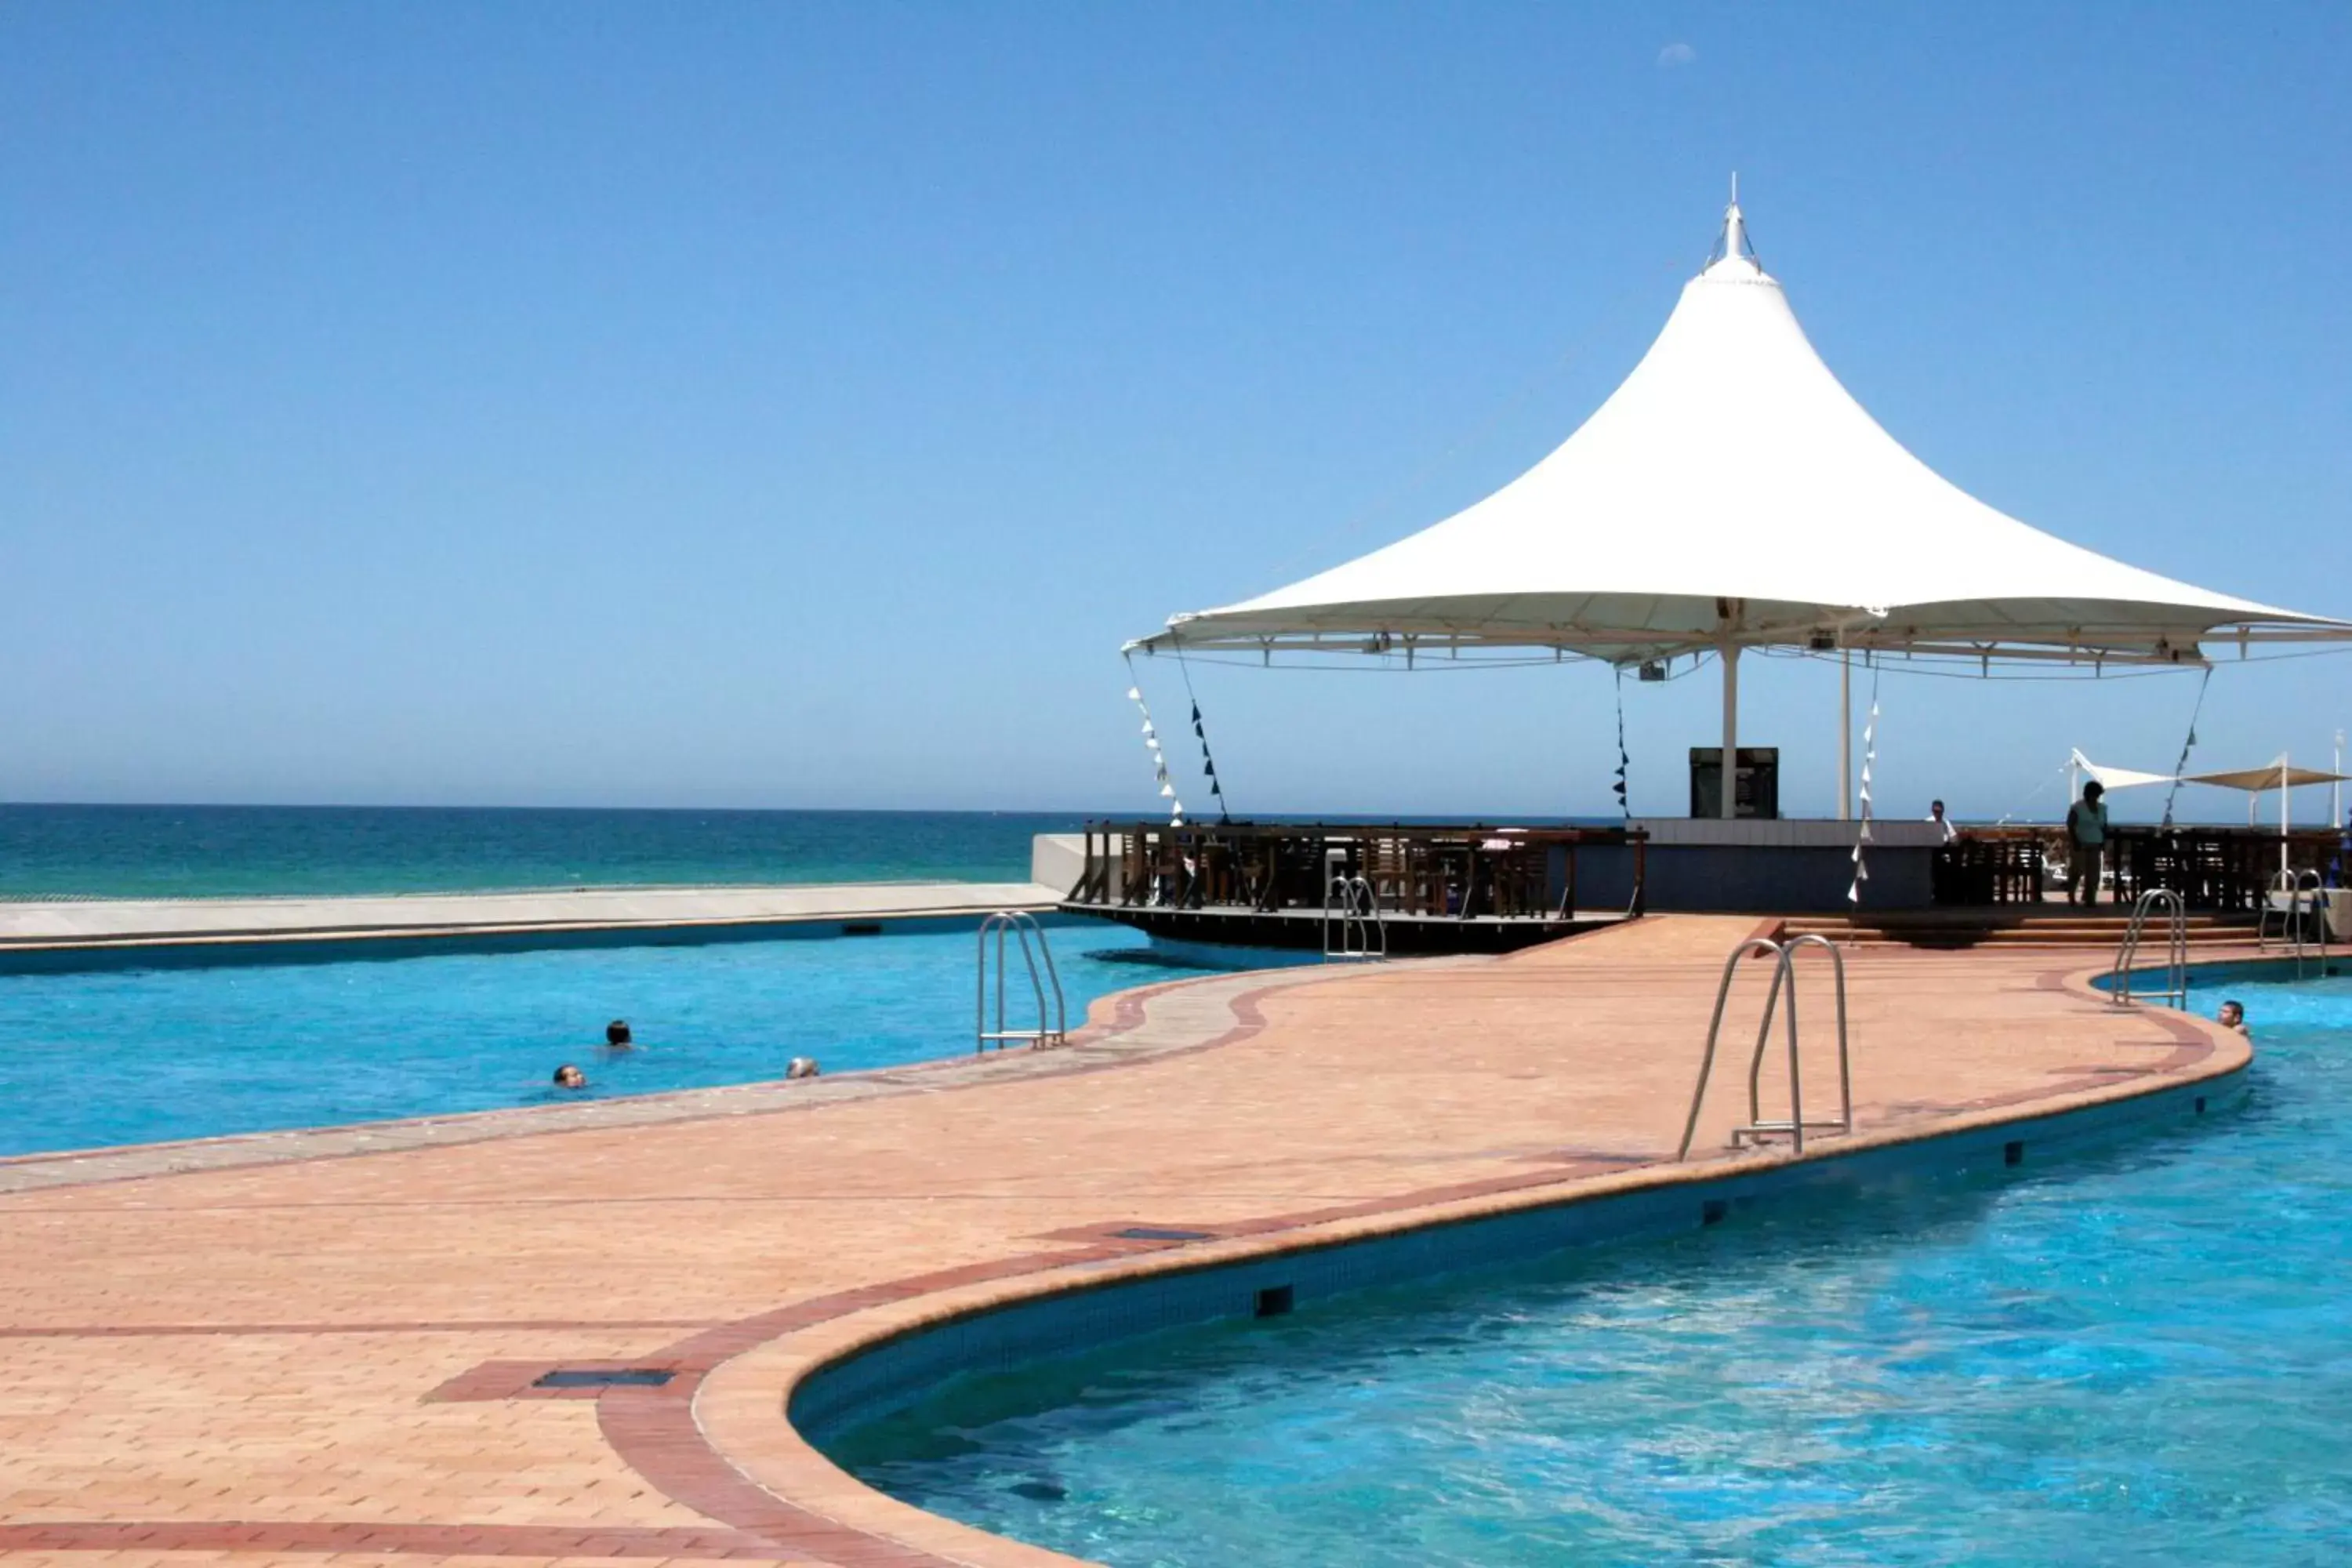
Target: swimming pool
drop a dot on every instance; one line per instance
(2137, 1357)
(137, 1052)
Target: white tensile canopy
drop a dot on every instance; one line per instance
(2278, 773)
(1732, 494)
(2115, 778)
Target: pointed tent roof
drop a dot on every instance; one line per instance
(1731, 491)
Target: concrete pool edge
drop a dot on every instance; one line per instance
(762, 914)
(740, 1454)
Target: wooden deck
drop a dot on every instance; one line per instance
(1431, 888)
(323, 1354)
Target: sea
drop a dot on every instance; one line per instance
(230, 851)
(49, 852)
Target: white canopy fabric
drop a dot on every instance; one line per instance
(2274, 775)
(1732, 493)
(2126, 778)
(2278, 774)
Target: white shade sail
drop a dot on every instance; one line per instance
(2126, 778)
(1731, 493)
(2278, 774)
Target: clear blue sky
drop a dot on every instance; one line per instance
(799, 405)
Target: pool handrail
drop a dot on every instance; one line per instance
(1784, 974)
(2176, 957)
(1795, 1126)
(1352, 905)
(2305, 895)
(1018, 925)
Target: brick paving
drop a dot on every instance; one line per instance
(312, 1348)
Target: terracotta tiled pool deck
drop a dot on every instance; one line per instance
(318, 1347)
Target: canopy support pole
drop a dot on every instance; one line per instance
(2283, 810)
(1845, 735)
(1730, 802)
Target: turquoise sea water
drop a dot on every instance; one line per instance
(196, 851)
(2143, 1356)
(125, 1054)
(216, 851)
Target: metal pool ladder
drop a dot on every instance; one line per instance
(1784, 975)
(2305, 898)
(1351, 921)
(1017, 925)
(2175, 993)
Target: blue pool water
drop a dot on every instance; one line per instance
(2143, 1356)
(134, 1055)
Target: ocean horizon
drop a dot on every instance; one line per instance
(137, 851)
(76, 851)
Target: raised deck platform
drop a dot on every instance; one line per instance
(1419, 888)
(1405, 935)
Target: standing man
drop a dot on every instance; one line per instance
(1943, 883)
(2087, 842)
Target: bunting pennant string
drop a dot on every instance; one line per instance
(1152, 744)
(1869, 762)
(1201, 733)
(1624, 759)
(2188, 744)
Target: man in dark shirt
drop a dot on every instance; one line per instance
(2087, 842)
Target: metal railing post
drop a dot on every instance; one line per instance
(1784, 977)
(2176, 947)
(1374, 931)
(1020, 925)
(1715, 1028)
(1845, 1062)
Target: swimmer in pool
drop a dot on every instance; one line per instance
(569, 1077)
(800, 1067)
(2233, 1017)
(616, 1036)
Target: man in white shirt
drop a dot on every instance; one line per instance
(1936, 815)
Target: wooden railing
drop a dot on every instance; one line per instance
(1421, 870)
(2211, 867)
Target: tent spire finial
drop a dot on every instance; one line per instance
(1735, 247)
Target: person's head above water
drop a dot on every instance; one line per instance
(2234, 1015)
(800, 1067)
(569, 1077)
(616, 1033)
